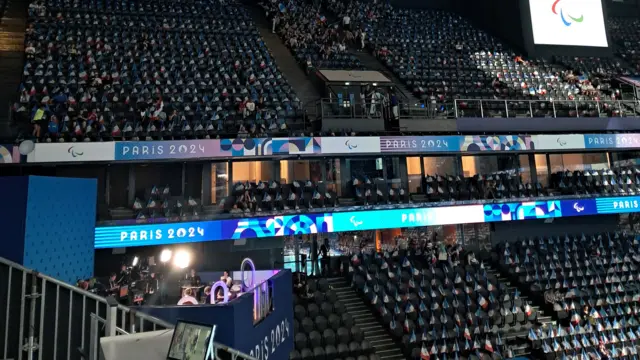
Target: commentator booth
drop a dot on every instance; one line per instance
(257, 322)
(359, 96)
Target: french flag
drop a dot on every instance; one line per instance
(488, 346)
(424, 352)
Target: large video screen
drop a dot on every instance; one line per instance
(568, 22)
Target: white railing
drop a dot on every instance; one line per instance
(45, 318)
(546, 108)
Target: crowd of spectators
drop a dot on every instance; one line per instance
(136, 68)
(625, 32)
(314, 42)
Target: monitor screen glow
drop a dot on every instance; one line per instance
(568, 23)
(190, 341)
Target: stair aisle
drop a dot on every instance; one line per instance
(543, 319)
(375, 333)
(286, 62)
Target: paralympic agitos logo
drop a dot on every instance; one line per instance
(568, 19)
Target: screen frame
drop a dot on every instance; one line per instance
(549, 51)
(186, 322)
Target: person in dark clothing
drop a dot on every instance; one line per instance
(313, 252)
(324, 251)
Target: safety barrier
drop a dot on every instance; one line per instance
(465, 108)
(475, 108)
(333, 108)
(44, 318)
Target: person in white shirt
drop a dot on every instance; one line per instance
(362, 37)
(227, 279)
(346, 22)
(274, 22)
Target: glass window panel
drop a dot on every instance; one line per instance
(158, 175)
(489, 164)
(525, 168)
(368, 167)
(542, 170)
(627, 158)
(442, 165)
(219, 182)
(578, 162)
(300, 170)
(414, 174)
(332, 177)
(252, 171)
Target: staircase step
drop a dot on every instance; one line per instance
(291, 70)
(363, 317)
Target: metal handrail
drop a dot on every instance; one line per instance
(345, 108)
(55, 316)
(552, 108)
(481, 108)
(81, 291)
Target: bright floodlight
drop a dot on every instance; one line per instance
(165, 255)
(182, 259)
(135, 261)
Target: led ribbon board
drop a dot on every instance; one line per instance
(286, 225)
(262, 148)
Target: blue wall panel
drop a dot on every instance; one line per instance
(60, 223)
(12, 216)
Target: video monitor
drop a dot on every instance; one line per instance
(568, 22)
(190, 341)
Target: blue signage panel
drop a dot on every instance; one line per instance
(162, 150)
(156, 234)
(579, 207)
(184, 232)
(286, 225)
(450, 143)
(618, 205)
(607, 141)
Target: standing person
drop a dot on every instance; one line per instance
(324, 251)
(194, 279)
(314, 256)
(394, 106)
(346, 22)
(274, 22)
(195, 282)
(228, 280)
(38, 119)
(363, 100)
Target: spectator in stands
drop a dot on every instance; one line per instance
(227, 278)
(346, 22)
(39, 119)
(207, 295)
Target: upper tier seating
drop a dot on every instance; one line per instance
(625, 32)
(157, 69)
(315, 44)
(440, 56)
(617, 182)
(441, 308)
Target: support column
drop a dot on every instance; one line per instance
(205, 193)
(296, 247)
(131, 188)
